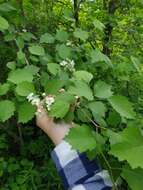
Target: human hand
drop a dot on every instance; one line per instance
(56, 132)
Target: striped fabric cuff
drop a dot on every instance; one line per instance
(73, 167)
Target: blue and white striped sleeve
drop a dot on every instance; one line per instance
(77, 171)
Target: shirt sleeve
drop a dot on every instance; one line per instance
(77, 171)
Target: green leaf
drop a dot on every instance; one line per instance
(64, 51)
(54, 68)
(64, 96)
(27, 36)
(7, 109)
(69, 117)
(62, 35)
(25, 88)
(86, 140)
(128, 145)
(4, 88)
(83, 35)
(37, 50)
(99, 25)
(6, 7)
(3, 24)
(136, 63)
(47, 38)
(21, 57)
(113, 118)
(59, 109)
(83, 75)
(100, 120)
(19, 75)
(114, 137)
(20, 42)
(97, 56)
(97, 108)
(32, 69)
(11, 65)
(100, 143)
(83, 115)
(134, 177)
(102, 89)
(26, 112)
(81, 89)
(44, 78)
(122, 106)
(52, 86)
(9, 37)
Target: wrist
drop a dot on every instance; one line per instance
(55, 137)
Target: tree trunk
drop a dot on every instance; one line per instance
(111, 8)
(76, 16)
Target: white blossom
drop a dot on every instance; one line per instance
(77, 97)
(30, 97)
(24, 30)
(68, 64)
(34, 99)
(62, 90)
(72, 63)
(49, 100)
(63, 63)
(69, 43)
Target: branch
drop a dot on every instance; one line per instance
(76, 10)
(112, 7)
(20, 134)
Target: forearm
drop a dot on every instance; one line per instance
(76, 170)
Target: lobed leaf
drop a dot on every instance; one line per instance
(7, 109)
(25, 88)
(37, 50)
(81, 89)
(134, 177)
(85, 142)
(83, 75)
(3, 24)
(128, 145)
(4, 88)
(102, 90)
(122, 105)
(26, 112)
(59, 109)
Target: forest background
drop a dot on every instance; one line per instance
(93, 49)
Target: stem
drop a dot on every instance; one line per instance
(93, 122)
(26, 60)
(33, 184)
(20, 134)
(110, 171)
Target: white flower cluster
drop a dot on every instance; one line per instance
(49, 100)
(68, 64)
(24, 30)
(69, 43)
(34, 99)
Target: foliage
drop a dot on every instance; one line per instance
(80, 143)
(126, 147)
(87, 55)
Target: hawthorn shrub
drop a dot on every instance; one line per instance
(100, 92)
